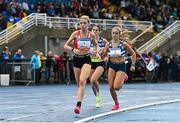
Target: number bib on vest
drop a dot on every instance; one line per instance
(84, 43)
(115, 52)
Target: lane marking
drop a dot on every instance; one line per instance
(94, 117)
(13, 107)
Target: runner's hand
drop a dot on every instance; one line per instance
(132, 68)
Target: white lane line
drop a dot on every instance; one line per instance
(32, 95)
(50, 103)
(14, 102)
(31, 115)
(13, 107)
(69, 108)
(36, 114)
(21, 99)
(94, 117)
(41, 97)
(85, 100)
(37, 98)
(49, 110)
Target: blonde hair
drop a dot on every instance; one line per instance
(36, 52)
(125, 35)
(118, 28)
(85, 17)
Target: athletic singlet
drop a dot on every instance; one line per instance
(101, 45)
(80, 43)
(116, 52)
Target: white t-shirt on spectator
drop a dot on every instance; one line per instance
(25, 6)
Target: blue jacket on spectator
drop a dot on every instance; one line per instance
(4, 56)
(18, 57)
(35, 62)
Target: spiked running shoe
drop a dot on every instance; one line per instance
(77, 110)
(126, 78)
(115, 107)
(98, 100)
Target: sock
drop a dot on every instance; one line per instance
(78, 104)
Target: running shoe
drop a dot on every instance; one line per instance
(98, 100)
(115, 107)
(77, 110)
(126, 78)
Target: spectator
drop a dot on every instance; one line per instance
(163, 66)
(32, 8)
(4, 58)
(18, 56)
(35, 62)
(17, 73)
(18, 4)
(44, 8)
(25, 6)
(65, 59)
(156, 58)
(49, 63)
(42, 62)
(3, 23)
(6, 53)
(62, 10)
(177, 66)
(57, 68)
(50, 9)
(171, 68)
(10, 21)
(13, 7)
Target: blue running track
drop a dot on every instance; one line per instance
(140, 103)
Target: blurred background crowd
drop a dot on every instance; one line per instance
(58, 68)
(161, 12)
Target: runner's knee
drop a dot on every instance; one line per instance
(82, 82)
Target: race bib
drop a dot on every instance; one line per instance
(84, 43)
(115, 52)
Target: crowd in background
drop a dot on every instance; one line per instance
(167, 67)
(55, 68)
(161, 12)
(50, 68)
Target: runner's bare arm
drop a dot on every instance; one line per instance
(131, 51)
(95, 42)
(71, 38)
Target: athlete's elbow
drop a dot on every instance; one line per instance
(65, 46)
(133, 55)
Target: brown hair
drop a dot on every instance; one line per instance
(98, 26)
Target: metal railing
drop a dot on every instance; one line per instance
(19, 28)
(106, 24)
(39, 19)
(20, 72)
(146, 30)
(160, 38)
